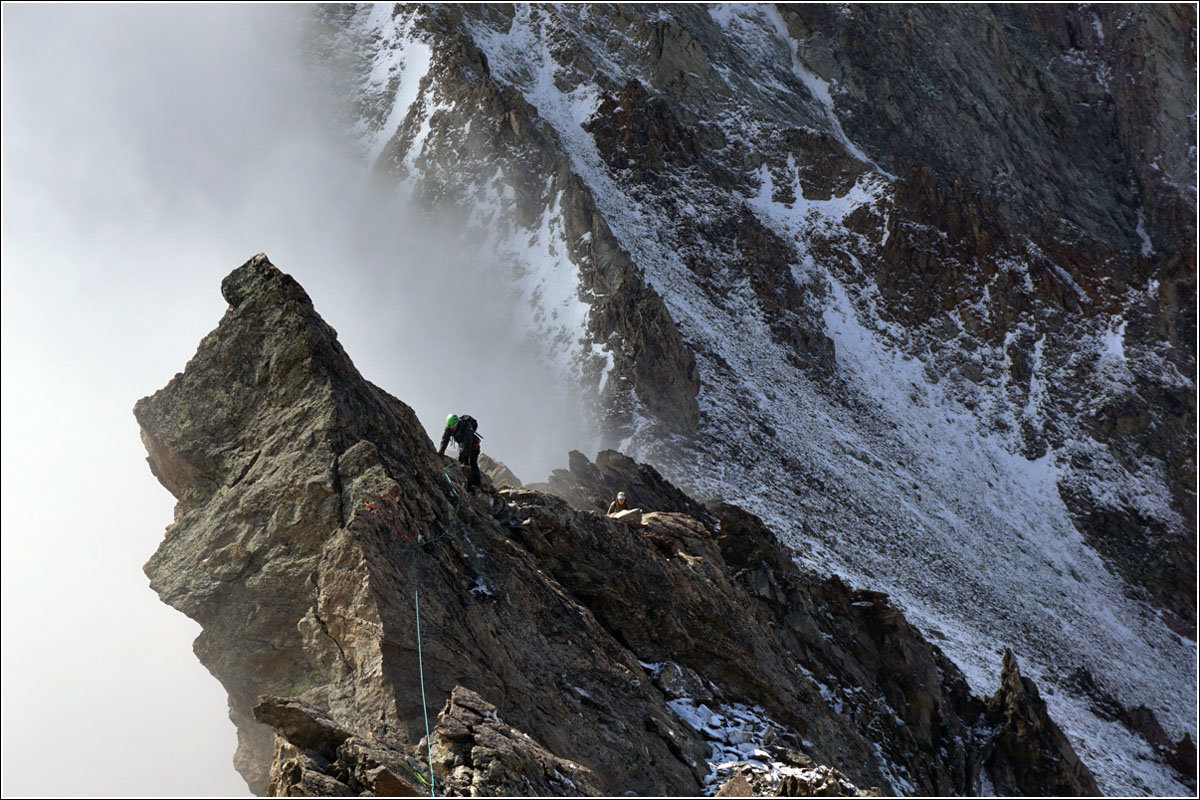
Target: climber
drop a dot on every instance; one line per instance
(463, 431)
(617, 505)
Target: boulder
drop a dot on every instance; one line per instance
(630, 516)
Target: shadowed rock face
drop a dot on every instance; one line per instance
(1027, 735)
(257, 440)
(562, 652)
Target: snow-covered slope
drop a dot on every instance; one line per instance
(919, 390)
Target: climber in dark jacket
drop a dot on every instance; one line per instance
(463, 431)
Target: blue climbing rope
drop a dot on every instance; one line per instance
(421, 672)
(417, 612)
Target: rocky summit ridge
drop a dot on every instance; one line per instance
(560, 652)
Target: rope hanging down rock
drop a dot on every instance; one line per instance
(378, 507)
(421, 673)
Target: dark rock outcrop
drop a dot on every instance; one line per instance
(568, 653)
(589, 486)
(474, 754)
(480, 756)
(498, 473)
(1060, 110)
(1031, 756)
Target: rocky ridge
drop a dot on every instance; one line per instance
(562, 653)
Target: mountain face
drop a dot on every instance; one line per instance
(925, 275)
(349, 588)
(912, 288)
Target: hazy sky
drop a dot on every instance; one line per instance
(147, 151)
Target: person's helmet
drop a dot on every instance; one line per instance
(452, 421)
(620, 495)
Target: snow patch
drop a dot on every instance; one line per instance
(1113, 343)
(481, 588)
(735, 733)
(545, 282)
(401, 57)
(1147, 245)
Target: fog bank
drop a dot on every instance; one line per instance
(147, 151)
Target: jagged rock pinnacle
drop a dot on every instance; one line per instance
(561, 652)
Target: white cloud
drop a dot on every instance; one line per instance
(148, 150)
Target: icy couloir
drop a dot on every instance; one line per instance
(562, 652)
